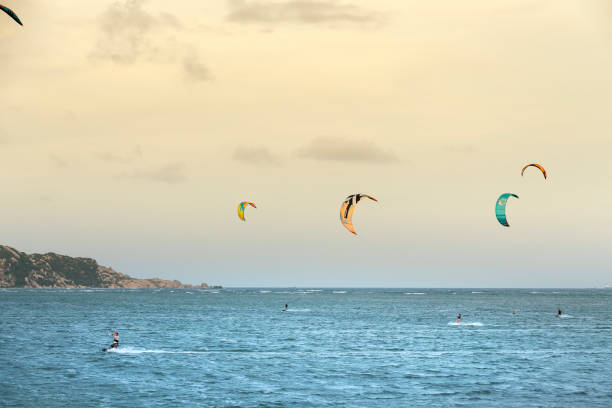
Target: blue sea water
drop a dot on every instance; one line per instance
(334, 347)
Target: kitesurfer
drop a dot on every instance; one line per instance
(115, 341)
(559, 312)
(458, 317)
(286, 307)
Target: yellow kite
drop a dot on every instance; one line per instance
(241, 208)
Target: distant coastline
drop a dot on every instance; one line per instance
(50, 270)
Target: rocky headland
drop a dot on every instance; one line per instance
(20, 270)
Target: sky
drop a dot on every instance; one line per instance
(130, 130)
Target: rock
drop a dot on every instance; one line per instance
(19, 270)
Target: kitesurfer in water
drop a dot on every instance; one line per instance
(115, 341)
(286, 307)
(559, 312)
(458, 317)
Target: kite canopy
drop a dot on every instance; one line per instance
(535, 165)
(11, 13)
(500, 208)
(348, 207)
(241, 208)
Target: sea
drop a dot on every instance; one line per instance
(333, 347)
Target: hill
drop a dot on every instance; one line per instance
(20, 270)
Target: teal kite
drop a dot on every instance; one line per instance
(500, 208)
(11, 13)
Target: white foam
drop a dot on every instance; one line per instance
(414, 293)
(477, 324)
(477, 292)
(133, 350)
(566, 316)
(297, 310)
(339, 291)
(264, 291)
(314, 290)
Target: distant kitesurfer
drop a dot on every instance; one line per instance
(115, 341)
(286, 307)
(458, 317)
(559, 312)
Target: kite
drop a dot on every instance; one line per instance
(535, 165)
(241, 208)
(500, 208)
(11, 13)
(348, 207)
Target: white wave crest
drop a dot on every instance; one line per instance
(134, 350)
(477, 324)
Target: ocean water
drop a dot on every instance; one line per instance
(334, 347)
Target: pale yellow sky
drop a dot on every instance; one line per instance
(130, 130)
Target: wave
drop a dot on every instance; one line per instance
(297, 310)
(414, 293)
(566, 316)
(134, 350)
(477, 292)
(339, 291)
(264, 291)
(314, 290)
(477, 324)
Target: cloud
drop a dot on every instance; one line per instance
(114, 158)
(300, 11)
(461, 149)
(136, 153)
(129, 33)
(339, 149)
(126, 29)
(258, 156)
(170, 174)
(195, 70)
(59, 162)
